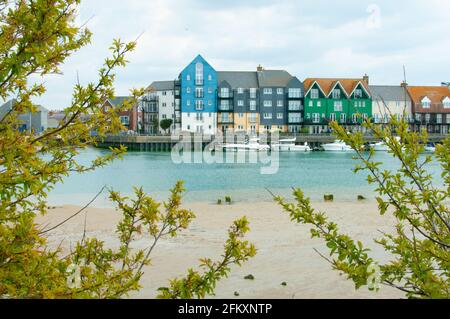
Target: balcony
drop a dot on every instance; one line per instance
(223, 95)
(225, 108)
(295, 108)
(295, 120)
(225, 120)
(252, 120)
(199, 81)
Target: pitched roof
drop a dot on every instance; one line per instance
(327, 84)
(389, 93)
(118, 100)
(436, 94)
(273, 78)
(238, 79)
(162, 86)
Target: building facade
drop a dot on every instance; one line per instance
(164, 92)
(390, 100)
(131, 118)
(347, 101)
(198, 88)
(36, 122)
(430, 108)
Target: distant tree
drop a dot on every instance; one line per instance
(419, 248)
(36, 36)
(166, 124)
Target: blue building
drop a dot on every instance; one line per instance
(198, 86)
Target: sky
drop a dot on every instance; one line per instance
(308, 38)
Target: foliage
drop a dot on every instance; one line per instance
(198, 285)
(35, 39)
(419, 247)
(166, 124)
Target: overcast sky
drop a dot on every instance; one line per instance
(317, 38)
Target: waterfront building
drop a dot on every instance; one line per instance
(430, 108)
(261, 101)
(347, 101)
(390, 100)
(198, 92)
(129, 118)
(36, 122)
(164, 92)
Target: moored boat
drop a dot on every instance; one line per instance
(288, 145)
(337, 146)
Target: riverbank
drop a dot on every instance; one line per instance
(285, 249)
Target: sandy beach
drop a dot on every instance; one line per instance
(285, 249)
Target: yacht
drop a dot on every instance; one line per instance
(379, 147)
(288, 145)
(337, 146)
(430, 148)
(252, 145)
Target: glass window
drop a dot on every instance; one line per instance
(240, 102)
(336, 94)
(199, 74)
(314, 93)
(332, 116)
(295, 93)
(280, 91)
(280, 103)
(199, 93)
(338, 106)
(252, 105)
(267, 103)
(267, 116)
(268, 91)
(240, 91)
(279, 116)
(358, 93)
(295, 105)
(253, 93)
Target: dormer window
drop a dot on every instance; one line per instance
(336, 94)
(426, 103)
(446, 103)
(314, 93)
(358, 93)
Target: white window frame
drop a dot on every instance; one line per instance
(268, 91)
(280, 116)
(314, 94)
(268, 103)
(280, 91)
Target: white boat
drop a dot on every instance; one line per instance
(288, 145)
(379, 147)
(252, 145)
(337, 146)
(430, 148)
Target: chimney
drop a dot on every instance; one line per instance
(366, 79)
(404, 84)
(260, 68)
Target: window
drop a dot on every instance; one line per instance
(209, 103)
(280, 91)
(343, 117)
(253, 93)
(280, 116)
(332, 116)
(427, 117)
(295, 118)
(199, 105)
(209, 77)
(241, 115)
(188, 90)
(358, 93)
(240, 127)
(319, 103)
(210, 90)
(225, 92)
(252, 118)
(311, 104)
(199, 116)
(338, 106)
(446, 103)
(125, 120)
(336, 94)
(252, 105)
(295, 93)
(240, 91)
(439, 118)
(164, 93)
(225, 105)
(164, 105)
(199, 74)
(240, 102)
(280, 103)
(188, 77)
(355, 118)
(295, 105)
(267, 116)
(267, 91)
(189, 114)
(316, 117)
(199, 93)
(426, 103)
(164, 116)
(314, 93)
(188, 102)
(267, 103)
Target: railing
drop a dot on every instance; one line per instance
(228, 108)
(295, 120)
(225, 120)
(228, 95)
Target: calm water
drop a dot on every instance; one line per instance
(316, 173)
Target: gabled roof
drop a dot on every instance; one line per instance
(162, 86)
(394, 93)
(118, 100)
(436, 94)
(274, 78)
(198, 58)
(327, 84)
(238, 79)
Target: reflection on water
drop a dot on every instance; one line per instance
(316, 173)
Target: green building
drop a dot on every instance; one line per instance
(347, 101)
